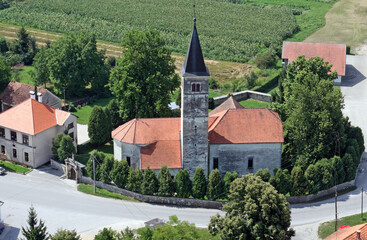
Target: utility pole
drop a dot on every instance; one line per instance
(336, 201)
(362, 203)
(94, 173)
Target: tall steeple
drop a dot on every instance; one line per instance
(194, 108)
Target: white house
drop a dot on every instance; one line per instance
(334, 54)
(28, 129)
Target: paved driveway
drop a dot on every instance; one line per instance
(82, 133)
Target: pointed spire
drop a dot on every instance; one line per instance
(194, 62)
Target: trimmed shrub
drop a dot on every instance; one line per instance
(338, 169)
(99, 156)
(63, 234)
(134, 180)
(298, 182)
(281, 180)
(106, 169)
(229, 177)
(56, 145)
(215, 186)
(349, 168)
(166, 184)
(106, 234)
(199, 184)
(120, 173)
(183, 184)
(264, 174)
(150, 182)
(66, 148)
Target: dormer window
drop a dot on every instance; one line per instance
(195, 87)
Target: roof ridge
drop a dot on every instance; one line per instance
(127, 129)
(33, 121)
(135, 130)
(219, 120)
(275, 115)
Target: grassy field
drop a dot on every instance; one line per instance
(327, 228)
(227, 31)
(86, 149)
(345, 23)
(89, 189)
(251, 103)
(84, 112)
(12, 167)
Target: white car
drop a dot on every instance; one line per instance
(2, 171)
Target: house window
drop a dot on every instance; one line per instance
(215, 163)
(70, 126)
(2, 132)
(72, 136)
(2, 149)
(14, 153)
(13, 135)
(250, 163)
(26, 157)
(195, 87)
(128, 159)
(25, 139)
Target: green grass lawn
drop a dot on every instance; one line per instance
(24, 75)
(327, 228)
(84, 112)
(86, 149)
(12, 167)
(251, 103)
(89, 189)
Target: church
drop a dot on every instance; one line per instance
(229, 138)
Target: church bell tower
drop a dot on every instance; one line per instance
(194, 108)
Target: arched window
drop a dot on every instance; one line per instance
(195, 87)
(198, 87)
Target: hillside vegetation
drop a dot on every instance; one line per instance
(227, 31)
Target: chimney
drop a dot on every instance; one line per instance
(39, 95)
(358, 234)
(32, 95)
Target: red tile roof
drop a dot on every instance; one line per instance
(246, 126)
(349, 233)
(335, 54)
(230, 103)
(157, 154)
(32, 117)
(16, 92)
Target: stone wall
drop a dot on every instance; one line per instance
(56, 165)
(321, 194)
(183, 202)
(243, 95)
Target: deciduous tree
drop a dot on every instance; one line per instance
(5, 74)
(114, 108)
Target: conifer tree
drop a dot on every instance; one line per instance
(99, 157)
(106, 169)
(264, 174)
(120, 173)
(183, 184)
(66, 148)
(298, 181)
(215, 186)
(166, 184)
(228, 179)
(134, 180)
(114, 109)
(199, 184)
(150, 182)
(35, 230)
(97, 131)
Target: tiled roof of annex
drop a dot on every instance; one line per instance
(349, 233)
(17, 92)
(335, 54)
(32, 117)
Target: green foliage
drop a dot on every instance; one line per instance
(97, 126)
(298, 182)
(281, 180)
(35, 230)
(231, 32)
(349, 167)
(264, 174)
(176, 229)
(106, 234)
(25, 46)
(120, 173)
(320, 175)
(5, 74)
(114, 110)
(213, 83)
(215, 188)
(3, 45)
(63, 234)
(265, 59)
(106, 169)
(134, 180)
(229, 177)
(356, 133)
(144, 76)
(183, 184)
(40, 64)
(338, 169)
(166, 183)
(145, 233)
(255, 211)
(56, 145)
(199, 184)
(150, 182)
(66, 148)
(99, 156)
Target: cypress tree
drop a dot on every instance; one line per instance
(99, 156)
(150, 182)
(120, 173)
(97, 126)
(106, 169)
(34, 231)
(298, 181)
(215, 186)
(166, 184)
(134, 180)
(183, 184)
(56, 145)
(199, 184)
(66, 148)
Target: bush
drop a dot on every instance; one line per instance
(265, 60)
(338, 169)
(348, 49)
(3, 45)
(114, 109)
(99, 156)
(199, 184)
(166, 184)
(150, 182)
(106, 169)
(228, 179)
(134, 180)
(213, 83)
(320, 175)
(349, 167)
(66, 148)
(215, 186)
(111, 61)
(250, 80)
(183, 184)
(106, 234)
(298, 182)
(264, 174)
(211, 103)
(56, 145)
(63, 234)
(120, 173)
(281, 180)
(71, 108)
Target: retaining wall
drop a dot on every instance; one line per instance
(243, 95)
(184, 202)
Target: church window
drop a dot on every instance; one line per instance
(215, 163)
(195, 87)
(250, 163)
(198, 87)
(128, 159)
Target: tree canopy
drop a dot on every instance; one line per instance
(144, 77)
(35, 230)
(5, 74)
